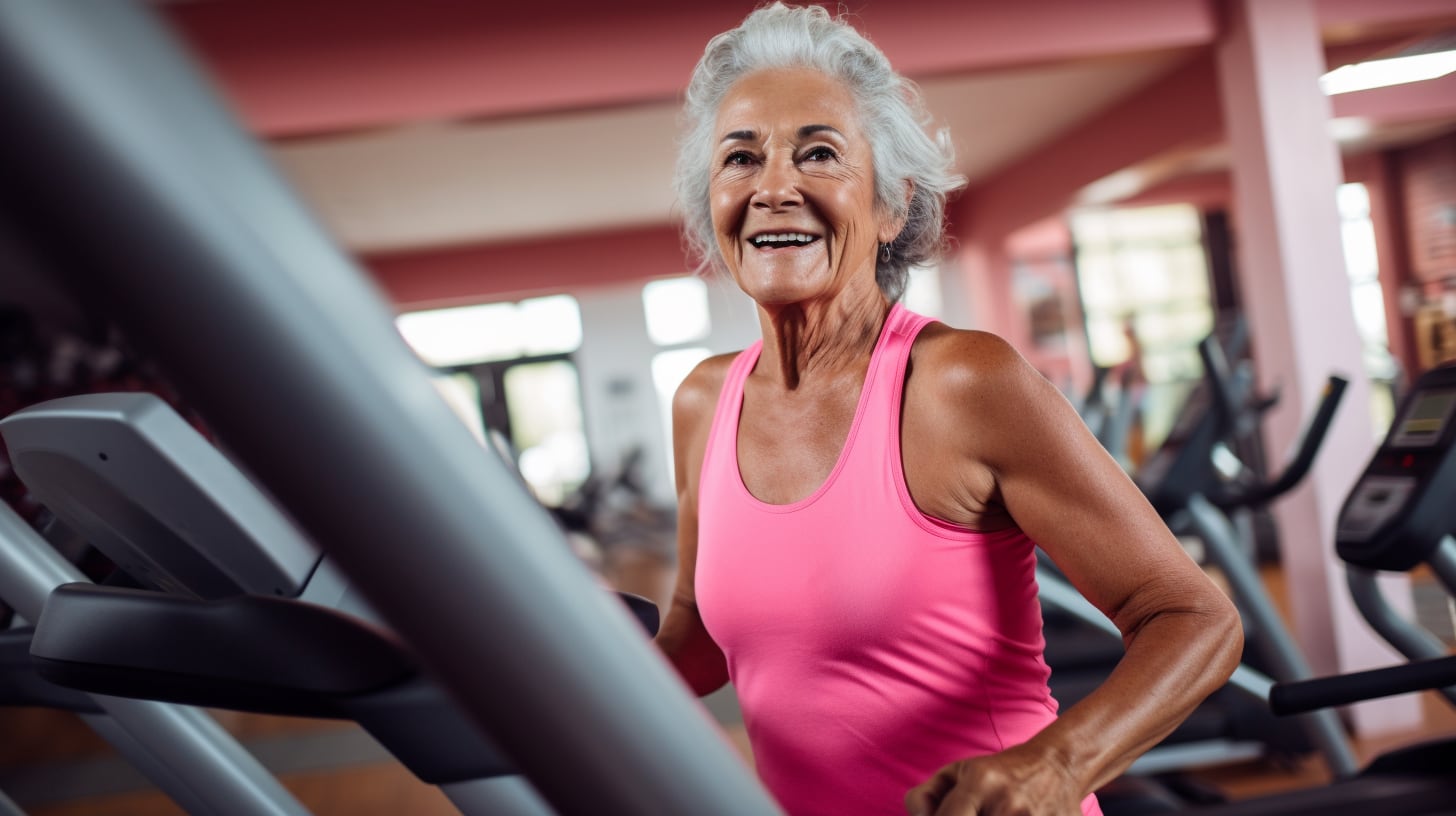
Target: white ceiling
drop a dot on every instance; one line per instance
(428, 185)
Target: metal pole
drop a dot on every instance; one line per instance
(1443, 563)
(497, 796)
(1278, 646)
(182, 750)
(1409, 639)
(210, 264)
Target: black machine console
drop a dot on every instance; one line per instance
(1396, 515)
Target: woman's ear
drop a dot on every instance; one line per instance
(892, 223)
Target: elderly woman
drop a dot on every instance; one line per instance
(861, 491)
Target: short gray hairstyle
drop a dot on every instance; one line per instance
(890, 109)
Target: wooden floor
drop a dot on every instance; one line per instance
(52, 765)
(386, 789)
(1247, 780)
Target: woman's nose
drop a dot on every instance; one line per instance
(778, 185)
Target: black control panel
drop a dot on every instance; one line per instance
(1405, 501)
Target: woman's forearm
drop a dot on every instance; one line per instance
(1175, 658)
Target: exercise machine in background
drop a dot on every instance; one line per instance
(1192, 484)
(1399, 515)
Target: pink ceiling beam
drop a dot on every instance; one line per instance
(472, 274)
(1349, 19)
(1206, 191)
(1374, 48)
(1413, 102)
(1213, 190)
(1178, 110)
(296, 68)
(928, 37)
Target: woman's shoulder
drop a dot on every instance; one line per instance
(952, 361)
(977, 382)
(693, 407)
(697, 396)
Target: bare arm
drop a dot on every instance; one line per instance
(682, 636)
(1027, 454)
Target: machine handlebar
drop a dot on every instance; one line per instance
(1298, 467)
(1323, 692)
(1216, 368)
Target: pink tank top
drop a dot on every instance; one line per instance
(869, 643)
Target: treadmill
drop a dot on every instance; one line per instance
(223, 603)
(126, 176)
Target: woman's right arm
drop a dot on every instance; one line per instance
(682, 636)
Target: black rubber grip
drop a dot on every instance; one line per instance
(1342, 689)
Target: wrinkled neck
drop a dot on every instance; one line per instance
(804, 340)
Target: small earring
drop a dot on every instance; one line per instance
(884, 253)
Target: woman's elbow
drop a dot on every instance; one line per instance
(1226, 633)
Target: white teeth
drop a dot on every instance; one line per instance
(782, 237)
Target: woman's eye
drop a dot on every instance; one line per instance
(819, 154)
(738, 157)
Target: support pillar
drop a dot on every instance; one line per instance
(986, 268)
(1291, 267)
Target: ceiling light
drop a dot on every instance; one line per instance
(1362, 76)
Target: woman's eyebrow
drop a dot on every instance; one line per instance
(804, 132)
(809, 130)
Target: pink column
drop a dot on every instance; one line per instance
(988, 280)
(1291, 265)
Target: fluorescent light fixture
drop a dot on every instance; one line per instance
(1394, 71)
(1350, 129)
(1112, 188)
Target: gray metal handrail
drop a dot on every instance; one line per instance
(1277, 645)
(181, 749)
(208, 262)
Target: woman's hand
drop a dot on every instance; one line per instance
(1017, 781)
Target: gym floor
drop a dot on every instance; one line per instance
(52, 765)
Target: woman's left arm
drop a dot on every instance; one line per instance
(1032, 455)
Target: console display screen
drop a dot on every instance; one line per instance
(1426, 417)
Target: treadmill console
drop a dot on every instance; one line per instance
(142, 486)
(1405, 501)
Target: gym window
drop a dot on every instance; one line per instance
(493, 331)
(1143, 275)
(507, 367)
(676, 310)
(1357, 233)
(922, 292)
(677, 314)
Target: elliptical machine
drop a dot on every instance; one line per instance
(1399, 515)
(1185, 483)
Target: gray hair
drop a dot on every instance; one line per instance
(890, 109)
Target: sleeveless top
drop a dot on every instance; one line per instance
(869, 644)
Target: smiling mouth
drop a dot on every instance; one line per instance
(782, 240)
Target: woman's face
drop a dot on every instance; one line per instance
(792, 188)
